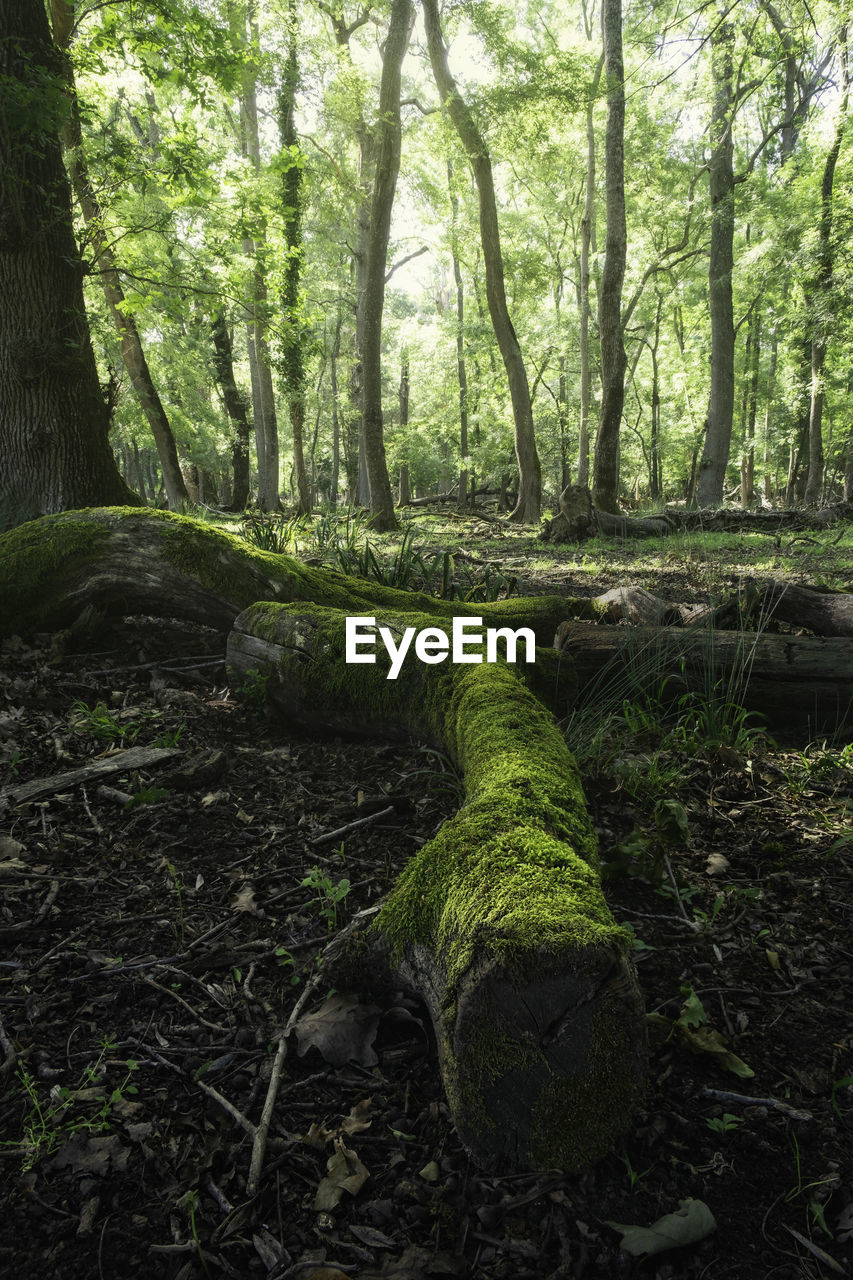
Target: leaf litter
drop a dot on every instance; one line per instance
(110, 957)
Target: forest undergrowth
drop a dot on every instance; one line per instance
(160, 925)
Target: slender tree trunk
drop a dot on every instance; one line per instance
(528, 507)
(587, 231)
(820, 331)
(336, 417)
(655, 461)
(461, 370)
(293, 365)
(768, 416)
(235, 407)
(605, 484)
(712, 472)
(245, 23)
(747, 486)
(405, 488)
(388, 141)
(133, 355)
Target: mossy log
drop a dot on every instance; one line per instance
(499, 923)
(800, 685)
(118, 560)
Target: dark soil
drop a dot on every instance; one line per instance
(153, 953)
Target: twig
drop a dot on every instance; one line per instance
(96, 826)
(237, 1116)
(212, 1026)
(262, 1132)
(352, 826)
(691, 924)
(721, 1095)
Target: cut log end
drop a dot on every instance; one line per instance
(546, 1072)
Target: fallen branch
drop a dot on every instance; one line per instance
(132, 758)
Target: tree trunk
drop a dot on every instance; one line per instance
(822, 301)
(605, 485)
(499, 923)
(718, 435)
(293, 364)
(336, 416)
(245, 27)
(54, 420)
(461, 370)
(587, 228)
(235, 406)
(529, 503)
(405, 495)
(132, 352)
(388, 140)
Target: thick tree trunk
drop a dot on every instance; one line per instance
(132, 350)
(388, 141)
(499, 923)
(235, 407)
(605, 485)
(54, 420)
(528, 506)
(712, 470)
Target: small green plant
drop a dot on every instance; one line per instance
(148, 795)
(724, 1123)
(47, 1125)
(270, 532)
(99, 722)
(253, 689)
(169, 737)
(178, 889)
(634, 1177)
(329, 895)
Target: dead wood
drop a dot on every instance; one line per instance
(119, 762)
(800, 684)
(498, 924)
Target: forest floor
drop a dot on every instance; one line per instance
(152, 953)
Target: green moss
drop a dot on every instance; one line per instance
(576, 1117)
(38, 558)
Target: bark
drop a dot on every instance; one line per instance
(293, 365)
(587, 234)
(388, 143)
(528, 506)
(132, 351)
(605, 486)
(166, 565)
(822, 302)
(254, 245)
(235, 407)
(718, 434)
(800, 685)
(405, 495)
(498, 924)
(461, 369)
(54, 420)
(336, 417)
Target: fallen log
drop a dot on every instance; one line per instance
(118, 762)
(801, 685)
(577, 519)
(499, 923)
(826, 613)
(125, 560)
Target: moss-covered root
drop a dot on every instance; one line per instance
(499, 922)
(125, 560)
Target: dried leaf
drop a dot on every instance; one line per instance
(717, 865)
(707, 1040)
(342, 1029)
(359, 1118)
(245, 901)
(373, 1238)
(693, 1222)
(93, 1155)
(344, 1172)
